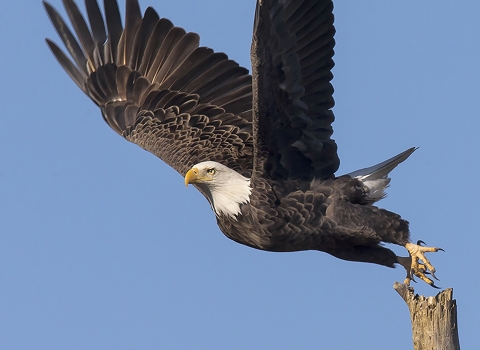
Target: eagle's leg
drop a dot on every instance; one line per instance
(414, 267)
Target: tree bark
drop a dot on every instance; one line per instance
(434, 319)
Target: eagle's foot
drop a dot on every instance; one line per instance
(416, 268)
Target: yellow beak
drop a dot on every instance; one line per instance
(191, 176)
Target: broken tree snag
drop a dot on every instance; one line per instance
(434, 319)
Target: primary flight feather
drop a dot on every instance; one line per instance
(258, 147)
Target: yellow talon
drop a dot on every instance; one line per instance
(416, 268)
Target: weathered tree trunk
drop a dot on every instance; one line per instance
(434, 319)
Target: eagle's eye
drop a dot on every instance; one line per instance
(211, 171)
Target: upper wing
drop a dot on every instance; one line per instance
(156, 86)
(292, 52)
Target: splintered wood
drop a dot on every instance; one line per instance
(434, 319)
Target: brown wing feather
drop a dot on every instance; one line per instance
(292, 52)
(156, 87)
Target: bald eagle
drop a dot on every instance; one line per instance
(258, 146)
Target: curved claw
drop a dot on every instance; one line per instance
(420, 265)
(441, 250)
(434, 286)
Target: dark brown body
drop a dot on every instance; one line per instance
(327, 217)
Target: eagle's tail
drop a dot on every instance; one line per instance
(376, 177)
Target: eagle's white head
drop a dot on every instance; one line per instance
(225, 188)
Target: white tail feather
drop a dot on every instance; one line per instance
(376, 177)
(376, 189)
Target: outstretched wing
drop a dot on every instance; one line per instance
(156, 87)
(292, 52)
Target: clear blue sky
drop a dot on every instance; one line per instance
(102, 247)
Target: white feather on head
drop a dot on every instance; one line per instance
(225, 188)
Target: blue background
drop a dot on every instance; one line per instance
(102, 247)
